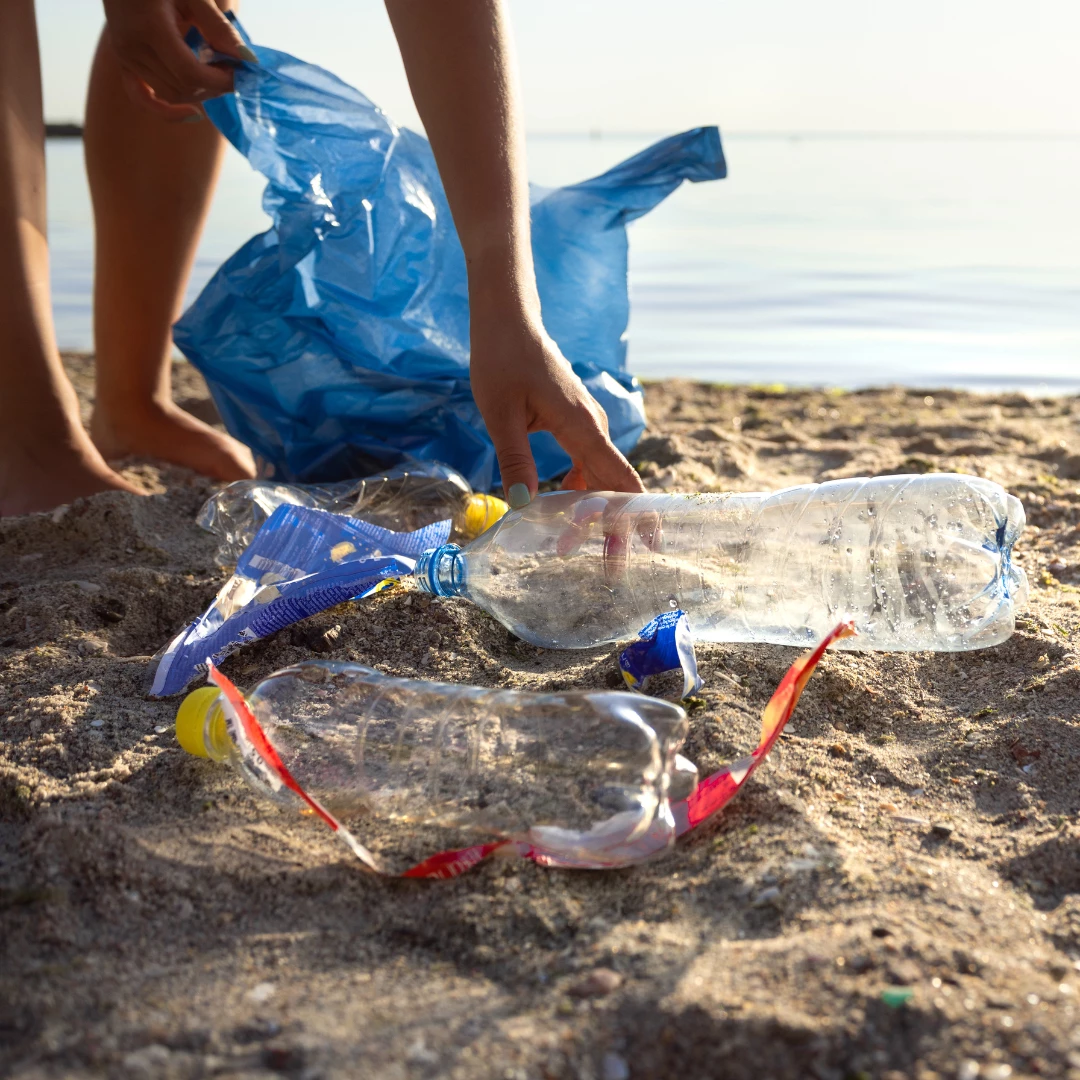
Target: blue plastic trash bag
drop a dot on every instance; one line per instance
(338, 341)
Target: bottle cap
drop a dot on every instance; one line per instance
(481, 512)
(191, 719)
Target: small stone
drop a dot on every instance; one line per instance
(97, 723)
(419, 1054)
(160, 729)
(997, 1071)
(88, 586)
(969, 1070)
(147, 1060)
(262, 992)
(614, 1067)
(1058, 566)
(940, 830)
(767, 896)
(598, 983)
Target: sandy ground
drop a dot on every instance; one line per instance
(917, 829)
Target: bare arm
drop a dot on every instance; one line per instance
(460, 62)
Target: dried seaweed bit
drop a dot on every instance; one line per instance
(1023, 755)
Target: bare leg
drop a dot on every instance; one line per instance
(46, 458)
(151, 182)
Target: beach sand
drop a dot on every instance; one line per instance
(917, 829)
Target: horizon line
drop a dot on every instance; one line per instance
(70, 128)
(601, 133)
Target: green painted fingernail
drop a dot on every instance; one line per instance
(248, 54)
(518, 496)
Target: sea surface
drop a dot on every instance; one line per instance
(820, 260)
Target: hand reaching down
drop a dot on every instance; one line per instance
(522, 383)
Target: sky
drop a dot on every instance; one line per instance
(660, 65)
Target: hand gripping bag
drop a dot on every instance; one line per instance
(337, 341)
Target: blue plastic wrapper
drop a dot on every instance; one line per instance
(664, 644)
(337, 342)
(301, 561)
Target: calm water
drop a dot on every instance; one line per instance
(826, 261)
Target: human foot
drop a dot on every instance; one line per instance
(166, 432)
(41, 474)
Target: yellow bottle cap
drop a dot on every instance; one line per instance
(191, 719)
(481, 512)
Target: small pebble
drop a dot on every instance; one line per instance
(97, 723)
(997, 1071)
(969, 1070)
(941, 830)
(420, 1054)
(262, 992)
(767, 896)
(160, 729)
(598, 983)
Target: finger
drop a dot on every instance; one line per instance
(511, 441)
(618, 542)
(142, 94)
(220, 34)
(574, 480)
(582, 433)
(587, 514)
(607, 470)
(146, 64)
(195, 79)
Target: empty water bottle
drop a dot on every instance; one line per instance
(585, 776)
(401, 499)
(919, 562)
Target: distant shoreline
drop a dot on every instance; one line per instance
(63, 131)
(75, 131)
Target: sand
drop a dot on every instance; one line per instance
(917, 831)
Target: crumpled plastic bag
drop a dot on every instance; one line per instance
(337, 342)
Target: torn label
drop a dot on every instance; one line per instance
(663, 644)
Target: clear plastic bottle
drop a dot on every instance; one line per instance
(586, 775)
(402, 499)
(919, 562)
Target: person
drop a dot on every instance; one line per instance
(152, 159)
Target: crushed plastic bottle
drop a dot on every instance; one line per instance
(918, 562)
(585, 777)
(402, 499)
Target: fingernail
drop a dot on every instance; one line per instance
(194, 118)
(247, 54)
(518, 496)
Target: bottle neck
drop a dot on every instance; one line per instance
(441, 571)
(219, 746)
